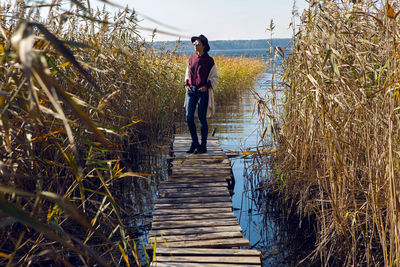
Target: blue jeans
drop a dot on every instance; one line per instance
(195, 97)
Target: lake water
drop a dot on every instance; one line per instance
(238, 130)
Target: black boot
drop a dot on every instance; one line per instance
(201, 150)
(193, 148)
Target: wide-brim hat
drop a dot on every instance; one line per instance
(203, 40)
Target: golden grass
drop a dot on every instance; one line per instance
(236, 74)
(339, 135)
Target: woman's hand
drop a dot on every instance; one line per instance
(203, 89)
(187, 88)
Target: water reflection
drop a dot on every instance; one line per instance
(137, 194)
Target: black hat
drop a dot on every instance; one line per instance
(203, 40)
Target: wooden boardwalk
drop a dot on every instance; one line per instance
(193, 222)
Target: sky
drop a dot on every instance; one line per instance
(216, 19)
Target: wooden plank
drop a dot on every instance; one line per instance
(190, 224)
(189, 211)
(191, 193)
(174, 193)
(193, 217)
(194, 170)
(182, 137)
(182, 191)
(213, 243)
(195, 230)
(214, 145)
(168, 185)
(210, 259)
(196, 167)
(181, 153)
(194, 205)
(217, 174)
(189, 139)
(211, 151)
(198, 180)
(192, 162)
(197, 199)
(191, 264)
(202, 175)
(207, 236)
(200, 160)
(206, 251)
(198, 170)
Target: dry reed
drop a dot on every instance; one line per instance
(338, 141)
(74, 95)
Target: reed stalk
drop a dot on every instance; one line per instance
(78, 88)
(338, 138)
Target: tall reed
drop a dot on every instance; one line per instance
(235, 75)
(77, 89)
(338, 141)
(74, 95)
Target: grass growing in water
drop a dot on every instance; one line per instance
(74, 95)
(339, 139)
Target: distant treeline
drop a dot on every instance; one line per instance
(186, 46)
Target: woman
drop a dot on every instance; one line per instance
(200, 80)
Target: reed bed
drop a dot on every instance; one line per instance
(236, 74)
(79, 88)
(338, 137)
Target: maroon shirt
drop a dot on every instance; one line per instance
(199, 69)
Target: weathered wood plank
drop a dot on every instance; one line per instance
(212, 243)
(188, 194)
(200, 162)
(207, 236)
(190, 264)
(215, 259)
(189, 211)
(180, 137)
(180, 151)
(197, 199)
(187, 137)
(172, 185)
(193, 170)
(207, 175)
(179, 191)
(193, 193)
(197, 180)
(195, 230)
(206, 251)
(194, 205)
(195, 167)
(201, 157)
(190, 224)
(199, 177)
(193, 217)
